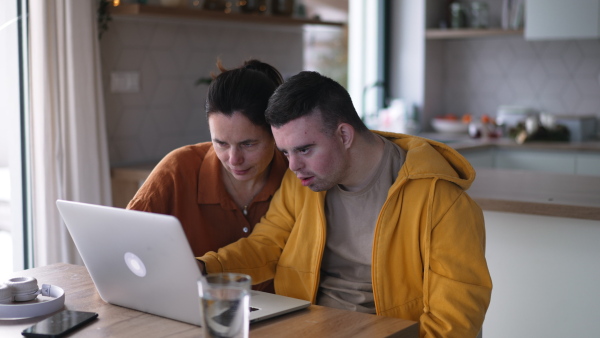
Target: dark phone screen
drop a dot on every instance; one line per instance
(59, 324)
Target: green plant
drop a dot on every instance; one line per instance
(104, 16)
(203, 80)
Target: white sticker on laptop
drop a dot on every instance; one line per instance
(135, 264)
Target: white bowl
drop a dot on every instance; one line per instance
(449, 126)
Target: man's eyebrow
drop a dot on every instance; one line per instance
(298, 147)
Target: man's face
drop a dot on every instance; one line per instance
(317, 159)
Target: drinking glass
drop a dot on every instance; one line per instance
(225, 304)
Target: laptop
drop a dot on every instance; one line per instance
(142, 260)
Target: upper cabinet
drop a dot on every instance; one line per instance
(561, 19)
(140, 10)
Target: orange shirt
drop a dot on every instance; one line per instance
(187, 183)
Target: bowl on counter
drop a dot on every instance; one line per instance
(449, 126)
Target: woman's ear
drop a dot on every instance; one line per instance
(346, 134)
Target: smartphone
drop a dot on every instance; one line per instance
(59, 324)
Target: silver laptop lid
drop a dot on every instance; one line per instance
(142, 260)
(138, 260)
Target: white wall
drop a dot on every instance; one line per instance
(170, 55)
(558, 77)
(546, 275)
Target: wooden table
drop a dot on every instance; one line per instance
(116, 321)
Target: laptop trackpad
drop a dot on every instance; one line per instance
(266, 305)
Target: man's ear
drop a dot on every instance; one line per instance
(346, 134)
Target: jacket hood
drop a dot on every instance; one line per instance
(426, 158)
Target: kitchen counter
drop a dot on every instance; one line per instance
(528, 191)
(517, 191)
(464, 142)
(536, 193)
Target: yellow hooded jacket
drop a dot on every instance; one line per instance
(428, 260)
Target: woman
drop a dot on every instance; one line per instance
(219, 190)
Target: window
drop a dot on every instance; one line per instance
(13, 105)
(366, 44)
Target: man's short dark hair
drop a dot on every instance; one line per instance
(310, 92)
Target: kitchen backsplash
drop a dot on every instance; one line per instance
(478, 75)
(170, 55)
(557, 77)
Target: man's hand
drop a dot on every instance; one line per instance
(201, 266)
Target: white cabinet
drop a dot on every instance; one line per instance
(587, 164)
(480, 158)
(562, 19)
(559, 162)
(545, 270)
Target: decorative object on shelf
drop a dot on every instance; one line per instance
(104, 13)
(170, 3)
(220, 11)
(282, 7)
(457, 15)
(216, 5)
(300, 10)
(196, 4)
(512, 14)
(478, 14)
(253, 6)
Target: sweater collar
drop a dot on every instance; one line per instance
(211, 189)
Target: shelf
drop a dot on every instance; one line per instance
(442, 34)
(201, 14)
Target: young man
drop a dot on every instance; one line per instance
(373, 222)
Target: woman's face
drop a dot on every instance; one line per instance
(244, 149)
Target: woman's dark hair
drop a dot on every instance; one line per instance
(310, 92)
(245, 90)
